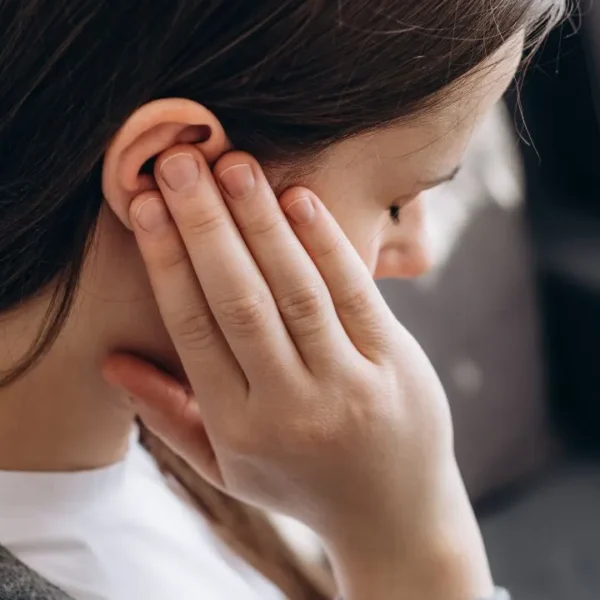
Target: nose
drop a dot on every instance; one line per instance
(405, 250)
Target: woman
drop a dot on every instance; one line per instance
(243, 322)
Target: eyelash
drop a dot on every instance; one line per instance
(395, 210)
(395, 214)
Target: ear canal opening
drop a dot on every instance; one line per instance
(194, 134)
(148, 166)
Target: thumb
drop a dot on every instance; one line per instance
(167, 409)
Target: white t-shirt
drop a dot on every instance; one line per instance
(120, 533)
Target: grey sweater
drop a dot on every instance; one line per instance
(17, 582)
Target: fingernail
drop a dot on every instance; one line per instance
(152, 214)
(238, 181)
(180, 171)
(301, 211)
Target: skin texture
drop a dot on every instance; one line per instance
(307, 396)
(63, 415)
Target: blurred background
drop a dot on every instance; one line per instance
(511, 319)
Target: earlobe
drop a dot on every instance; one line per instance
(152, 129)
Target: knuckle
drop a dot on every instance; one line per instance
(330, 249)
(204, 222)
(262, 227)
(245, 315)
(304, 308)
(195, 329)
(171, 260)
(354, 301)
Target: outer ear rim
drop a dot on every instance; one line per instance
(122, 179)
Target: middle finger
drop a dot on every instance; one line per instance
(301, 294)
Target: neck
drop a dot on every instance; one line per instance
(59, 418)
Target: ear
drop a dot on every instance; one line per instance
(152, 129)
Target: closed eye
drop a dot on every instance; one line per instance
(396, 209)
(423, 186)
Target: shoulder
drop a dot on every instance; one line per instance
(18, 582)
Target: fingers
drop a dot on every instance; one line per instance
(199, 342)
(318, 279)
(235, 288)
(300, 293)
(359, 305)
(282, 290)
(167, 410)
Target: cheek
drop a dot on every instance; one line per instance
(370, 255)
(365, 234)
(348, 193)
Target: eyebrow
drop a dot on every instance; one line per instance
(427, 185)
(422, 186)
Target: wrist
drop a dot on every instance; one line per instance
(433, 571)
(439, 554)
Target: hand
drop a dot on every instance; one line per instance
(305, 396)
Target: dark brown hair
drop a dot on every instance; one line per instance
(287, 78)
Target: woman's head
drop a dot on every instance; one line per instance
(365, 101)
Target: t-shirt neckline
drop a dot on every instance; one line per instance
(24, 490)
